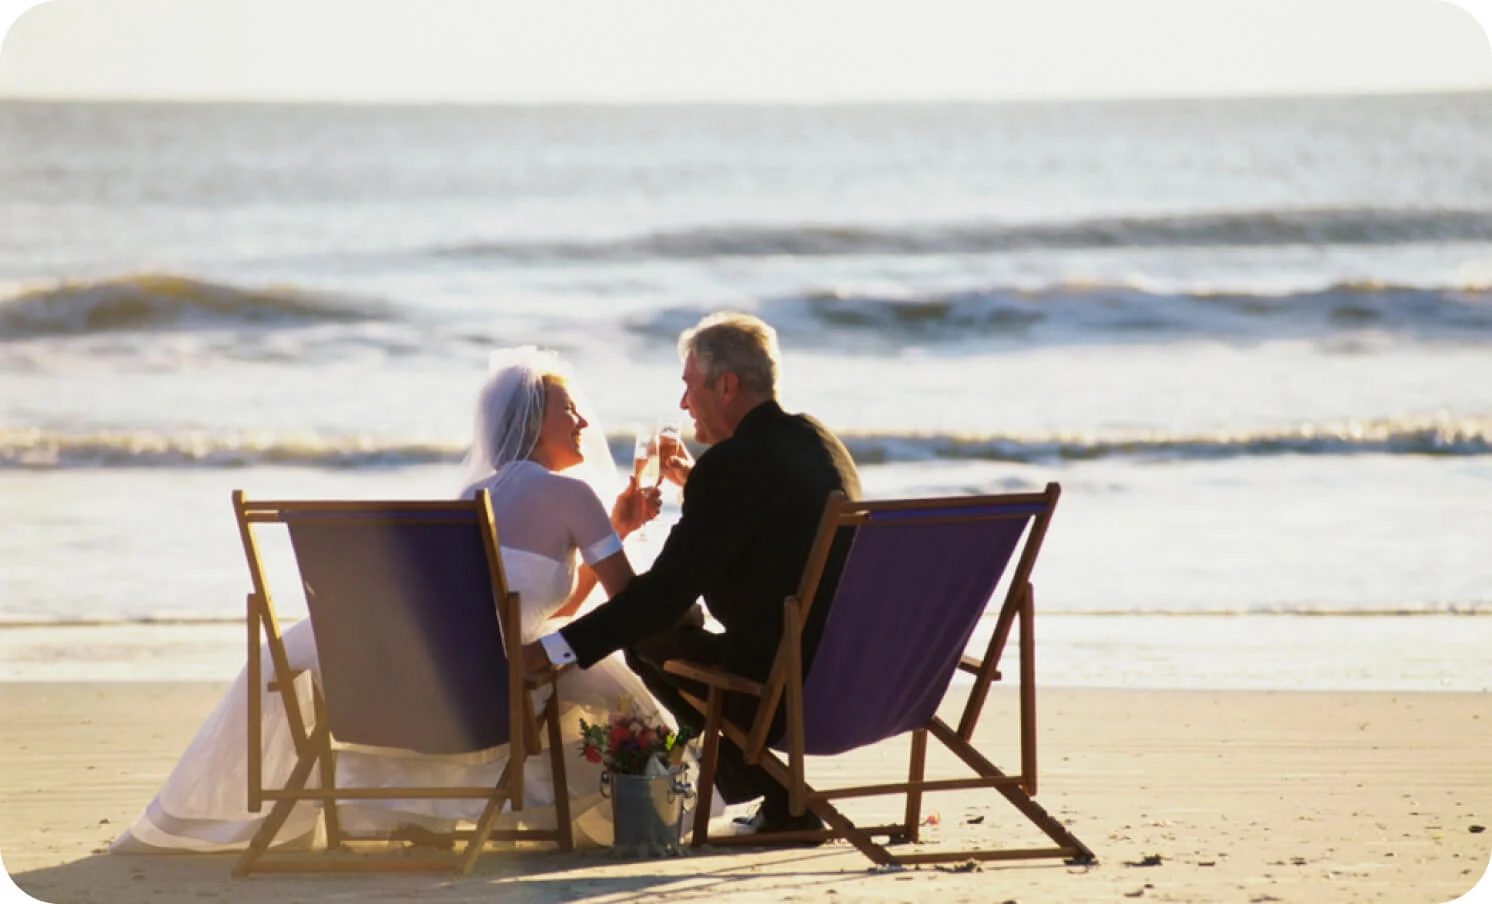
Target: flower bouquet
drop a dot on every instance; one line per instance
(628, 744)
(645, 777)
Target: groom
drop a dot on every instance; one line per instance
(752, 504)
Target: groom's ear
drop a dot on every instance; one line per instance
(729, 383)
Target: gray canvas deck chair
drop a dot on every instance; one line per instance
(418, 645)
(916, 577)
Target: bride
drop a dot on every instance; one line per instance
(546, 475)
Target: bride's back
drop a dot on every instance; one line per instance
(541, 512)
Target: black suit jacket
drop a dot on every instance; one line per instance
(752, 506)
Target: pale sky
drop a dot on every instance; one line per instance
(735, 50)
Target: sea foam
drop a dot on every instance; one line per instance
(36, 449)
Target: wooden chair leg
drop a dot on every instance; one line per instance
(557, 771)
(851, 833)
(842, 826)
(915, 773)
(277, 815)
(486, 821)
(255, 706)
(792, 646)
(478, 840)
(1028, 690)
(988, 667)
(709, 758)
(531, 741)
(1022, 801)
(263, 838)
(328, 771)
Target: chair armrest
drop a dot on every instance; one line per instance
(274, 683)
(713, 676)
(538, 679)
(972, 666)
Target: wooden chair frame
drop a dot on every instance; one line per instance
(316, 749)
(784, 686)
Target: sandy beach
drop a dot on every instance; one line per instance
(1242, 797)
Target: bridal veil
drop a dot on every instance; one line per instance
(509, 411)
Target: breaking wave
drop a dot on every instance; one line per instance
(162, 301)
(1262, 228)
(1447, 437)
(44, 450)
(36, 449)
(1115, 313)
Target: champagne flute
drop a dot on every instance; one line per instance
(670, 441)
(645, 465)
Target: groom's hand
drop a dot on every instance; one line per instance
(674, 460)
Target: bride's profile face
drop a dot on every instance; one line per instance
(558, 446)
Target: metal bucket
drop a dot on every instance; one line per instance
(647, 814)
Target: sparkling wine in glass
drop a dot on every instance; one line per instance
(645, 459)
(645, 466)
(669, 441)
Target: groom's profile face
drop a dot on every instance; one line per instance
(704, 403)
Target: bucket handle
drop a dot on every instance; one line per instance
(679, 788)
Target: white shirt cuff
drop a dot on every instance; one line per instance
(557, 649)
(604, 548)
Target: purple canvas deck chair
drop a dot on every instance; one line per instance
(418, 649)
(917, 577)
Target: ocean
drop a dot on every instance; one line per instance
(1251, 338)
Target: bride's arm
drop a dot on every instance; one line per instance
(585, 582)
(634, 507)
(614, 572)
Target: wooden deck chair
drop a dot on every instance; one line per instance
(917, 576)
(418, 646)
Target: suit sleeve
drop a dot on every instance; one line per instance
(723, 503)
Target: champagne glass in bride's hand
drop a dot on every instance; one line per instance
(645, 458)
(645, 466)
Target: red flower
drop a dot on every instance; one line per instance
(625, 743)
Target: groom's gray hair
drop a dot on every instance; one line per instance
(740, 343)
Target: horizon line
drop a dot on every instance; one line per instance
(602, 103)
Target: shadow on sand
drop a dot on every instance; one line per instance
(532, 876)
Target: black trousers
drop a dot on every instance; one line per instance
(737, 780)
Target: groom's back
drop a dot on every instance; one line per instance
(789, 463)
(752, 505)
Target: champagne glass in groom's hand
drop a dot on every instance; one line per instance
(674, 461)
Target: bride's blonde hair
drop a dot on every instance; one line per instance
(534, 424)
(510, 415)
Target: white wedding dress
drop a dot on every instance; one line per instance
(543, 521)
